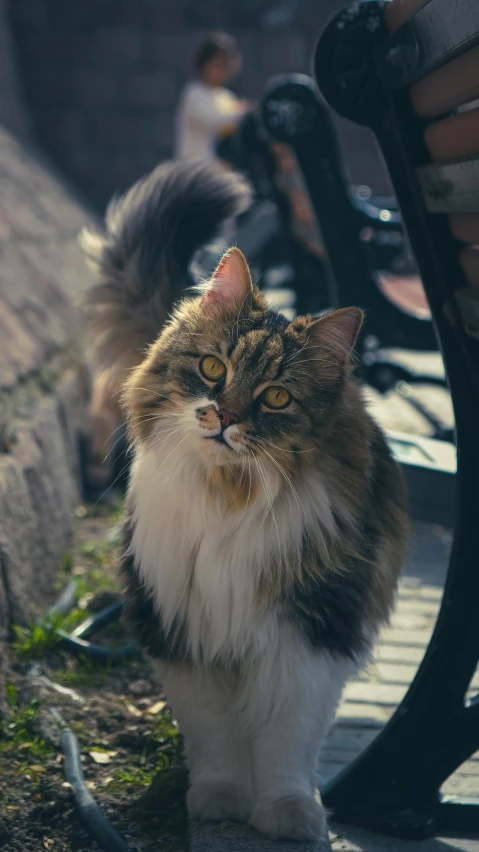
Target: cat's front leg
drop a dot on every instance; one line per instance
(218, 757)
(305, 688)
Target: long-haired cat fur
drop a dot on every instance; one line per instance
(266, 521)
(145, 259)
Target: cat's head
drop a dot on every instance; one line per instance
(229, 379)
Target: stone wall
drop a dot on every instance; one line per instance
(101, 77)
(44, 381)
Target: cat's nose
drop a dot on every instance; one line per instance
(226, 417)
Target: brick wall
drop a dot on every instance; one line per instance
(101, 77)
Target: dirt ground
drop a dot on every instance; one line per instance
(131, 749)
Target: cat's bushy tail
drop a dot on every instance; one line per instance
(142, 257)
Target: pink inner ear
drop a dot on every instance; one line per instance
(231, 281)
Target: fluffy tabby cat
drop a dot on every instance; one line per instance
(266, 521)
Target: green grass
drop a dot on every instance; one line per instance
(67, 563)
(161, 807)
(161, 753)
(40, 637)
(82, 672)
(134, 776)
(164, 731)
(19, 732)
(103, 551)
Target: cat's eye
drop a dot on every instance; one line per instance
(275, 397)
(212, 368)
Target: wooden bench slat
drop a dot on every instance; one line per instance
(451, 187)
(448, 87)
(435, 34)
(455, 137)
(469, 263)
(465, 227)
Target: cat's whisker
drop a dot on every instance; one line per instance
(150, 415)
(155, 393)
(248, 459)
(238, 486)
(117, 477)
(174, 449)
(266, 484)
(283, 449)
(295, 354)
(320, 360)
(269, 496)
(303, 373)
(287, 479)
(164, 436)
(108, 454)
(238, 317)
(121, 426)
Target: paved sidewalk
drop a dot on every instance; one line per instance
(240, 838)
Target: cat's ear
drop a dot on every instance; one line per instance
(231, 286)
(334, 335)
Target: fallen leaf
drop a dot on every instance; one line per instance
(78, 571)
(48, 842)
(102, 756)
(37, 768)
(155, 708)
(131, 708)
(37, 797)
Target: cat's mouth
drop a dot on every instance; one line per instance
(219, 439)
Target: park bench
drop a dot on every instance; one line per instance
(410, 71)
(260, 150)
(365, 244)
(295, 257)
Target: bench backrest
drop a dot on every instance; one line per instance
(293, 114)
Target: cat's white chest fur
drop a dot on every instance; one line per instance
(203, 565)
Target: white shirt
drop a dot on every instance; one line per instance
(202, 111)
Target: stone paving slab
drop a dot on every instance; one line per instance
(353, 839)
(229, 837)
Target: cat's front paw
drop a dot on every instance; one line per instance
(215, 802)
(291, 818)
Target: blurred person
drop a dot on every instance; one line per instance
(290, 182)
(208, 111)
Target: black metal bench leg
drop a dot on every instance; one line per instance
(394, 786)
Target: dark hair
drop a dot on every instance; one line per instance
(214, 43)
